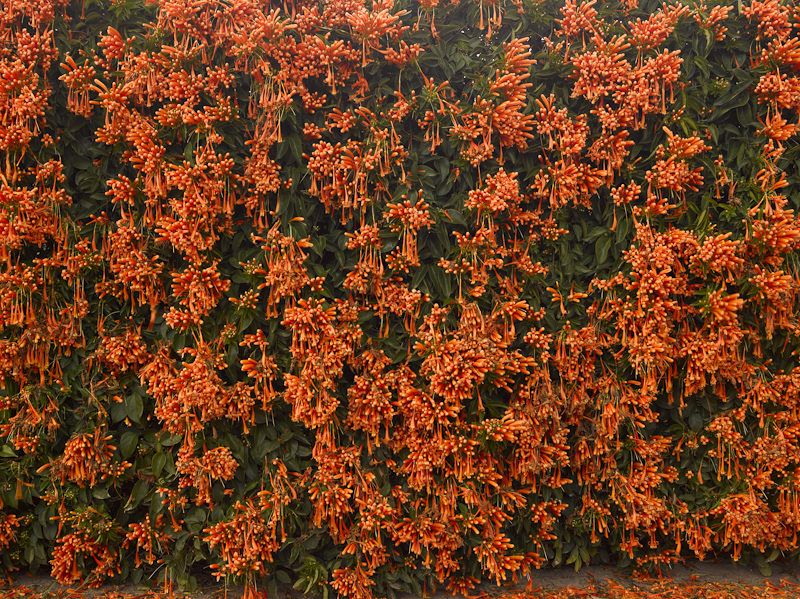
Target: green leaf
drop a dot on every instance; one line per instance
(601, 249)
(595, 233)
(127, 444)
(158, 464)
(774, 554)
(100, 493)
(296, 146)
(117, 412)
(695, 422)
(763, 566)
(455, 216)
(134, 408)
(622, 229)
(171, 439)
(137, 494)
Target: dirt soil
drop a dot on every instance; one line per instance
(700, 579)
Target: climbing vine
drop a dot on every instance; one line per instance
(375, 296)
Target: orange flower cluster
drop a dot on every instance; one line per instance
(248, 539)
(9, 523)
(91, 542)
(35, 417)
(145, 535)
(449, 321)
(73, 550)
(199, 473)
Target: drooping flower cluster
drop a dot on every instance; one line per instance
(340, 277)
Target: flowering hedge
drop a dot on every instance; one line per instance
(374, 296)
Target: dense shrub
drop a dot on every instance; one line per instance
(370, 296)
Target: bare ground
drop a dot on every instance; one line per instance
(594, 579)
